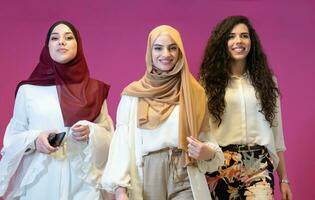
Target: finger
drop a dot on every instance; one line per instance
(189, 153)
(195, 152)
(194, 139)
(77, 125)
(77, 134)
(290, 196)
(79, 128)
(80, 133)
(81, 138)
(193, 142)
(48, 148)
(285, 197)
(194, 145)
(42, 148)
(192, 155)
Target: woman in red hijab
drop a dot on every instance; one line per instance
(59, 96)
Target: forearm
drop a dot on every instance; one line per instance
(283, 177)
(121, 193)
(281, 170)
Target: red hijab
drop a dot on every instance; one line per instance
(80, 97)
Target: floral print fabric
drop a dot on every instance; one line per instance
(245, 175)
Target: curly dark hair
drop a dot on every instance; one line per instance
(215, 71)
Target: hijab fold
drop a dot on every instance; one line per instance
(159, 92)
(80, 97)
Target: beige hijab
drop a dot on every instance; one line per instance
(159, 92)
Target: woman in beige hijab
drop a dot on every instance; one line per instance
(162, 128)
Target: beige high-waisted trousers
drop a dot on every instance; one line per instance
(164, 177)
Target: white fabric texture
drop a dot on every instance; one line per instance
(130, 143)
(73, 172)
(242, 123)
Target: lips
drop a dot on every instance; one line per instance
(166, 61)
(238, 49)
(62, 50)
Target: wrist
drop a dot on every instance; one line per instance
(284, 181)
(212, 156)
(120, 191)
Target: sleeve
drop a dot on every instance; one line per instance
(88, 159)
(117, 170)
(217, 161)
(17, 139)
(277, 129)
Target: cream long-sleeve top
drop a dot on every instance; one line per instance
(73, 172)
(130, 144)
(242, 123)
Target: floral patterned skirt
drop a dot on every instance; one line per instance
(245, 175)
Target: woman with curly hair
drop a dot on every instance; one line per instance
(243, 101)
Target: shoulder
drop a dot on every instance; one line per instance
(126, 103)
(99, 84)
(28, 88)
(34, 90)
(129, 100)
(103, 87)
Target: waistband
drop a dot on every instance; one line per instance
(242, 147)
(170, 150)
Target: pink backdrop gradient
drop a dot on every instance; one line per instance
(114, 36)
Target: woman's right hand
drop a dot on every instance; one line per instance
(42, 145)
(121, 194)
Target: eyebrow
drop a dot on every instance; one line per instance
(55, 33)
(240, 33)
(163, 45)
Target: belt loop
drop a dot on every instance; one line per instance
(170, 152)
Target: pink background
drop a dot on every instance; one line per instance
(114, 39)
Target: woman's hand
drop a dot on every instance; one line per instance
(285, 191)
(42, 145)
(81, 132)
(199, 150)
(121, 194)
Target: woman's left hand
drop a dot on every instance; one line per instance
(199, 150)
(81, 132)
(285, 191)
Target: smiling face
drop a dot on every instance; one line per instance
(62, 44)
(165, 52)
(239, 43)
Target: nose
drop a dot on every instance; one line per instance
(238, 39)
(165, 52)
(61, 41)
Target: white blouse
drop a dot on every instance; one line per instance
(242, 123)
(73, 172)
(130, 144)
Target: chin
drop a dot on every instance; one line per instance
(239, 58)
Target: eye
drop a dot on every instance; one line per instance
(173, 48)
(53, 38)
(246, 35)
(231, 36)
(157, 48)
(70, 37)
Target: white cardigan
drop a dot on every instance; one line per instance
(130, 143)
(73, 172)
